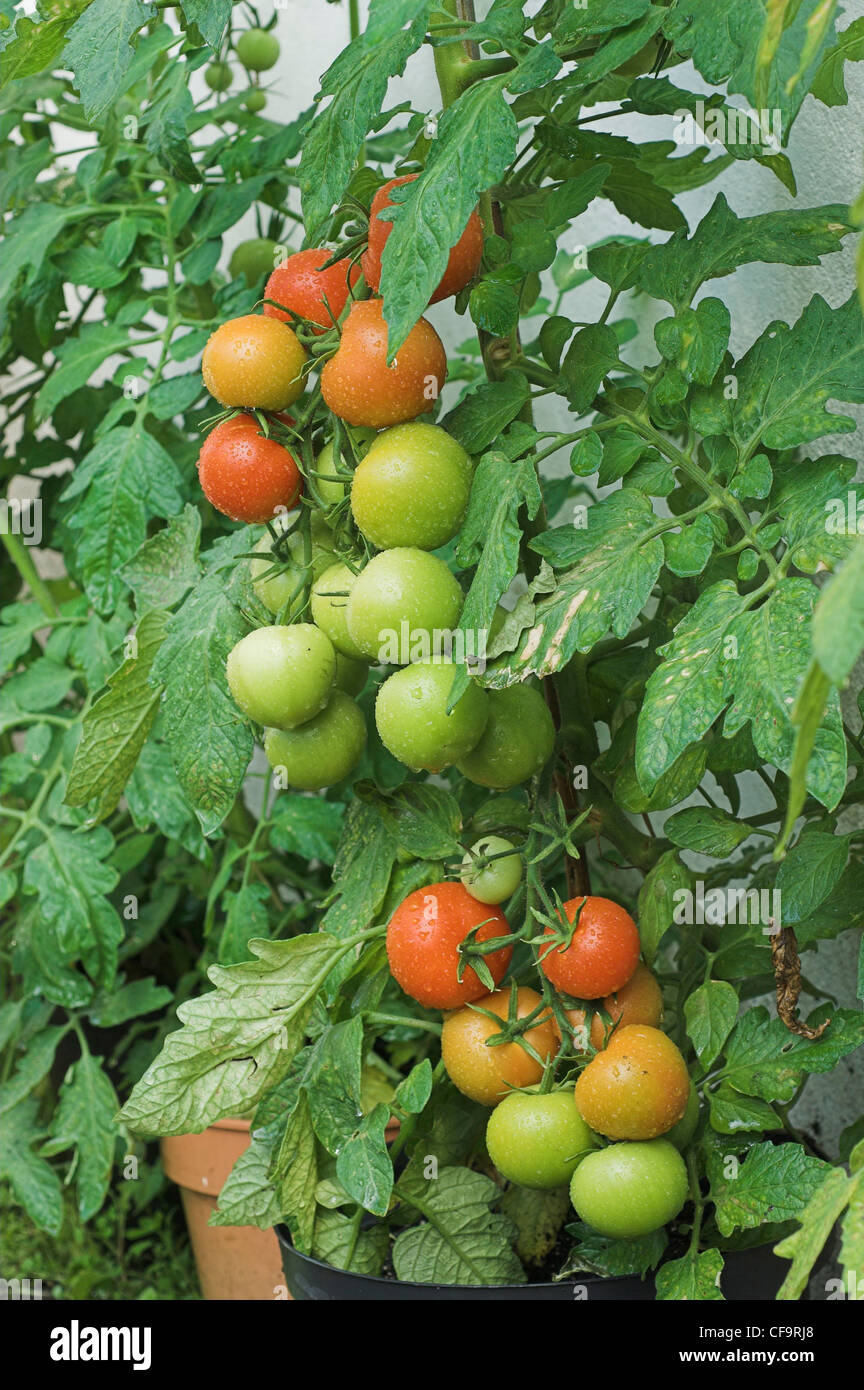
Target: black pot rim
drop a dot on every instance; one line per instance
(284, 1238)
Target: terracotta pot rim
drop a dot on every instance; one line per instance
(229, 1123)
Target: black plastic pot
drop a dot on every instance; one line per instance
(748, 1276)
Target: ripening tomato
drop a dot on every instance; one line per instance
(246, 476)
(464, 259)
(683, 1130)
(637, 1087)
(301, 286)
(255, 362)
(538, 1141)
(423, 938)
(487, 1074)
(629, 1190)
(639, 1001)
(603, 952)
(360, 388)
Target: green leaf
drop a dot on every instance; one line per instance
(414, 1091)
(307, 826)
(613, 1259)
(248, 1196)
(166, 566)
(131, 1001)
(494, 306)
(357, 82)
(211, 16)
(656, 903)
(236, 1042)
(693, 1278)
(732, 1113)
(460, 1241)
(35, 1064)
(764, 1059)
(786, 378)
(27, 240)
(116, 726)
(710, 1011)
(67, 874)
(773, 1183)
(78, 358)
(424, 820)
(818, 1219)
(706, 830)
(723, 241)
(36, 45)
(99, 51)
(246, 917)
(332, 1081)
(84, 1121)
(591, 356)
(167, 131)
(570, 199)
(364, 1167)
(210, 742)
(338, 1242)
(295, 1174)
(829, 86)
(486, 412)
(810, 872)
(33, 1181)
(689, 550)
(155, 797)
(838, 620)
(694, 340)
(361, 872)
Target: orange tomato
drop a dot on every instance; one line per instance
(245, 475)
(639, 1001)
(360, 388)
(300, 285)
(255, 362)
(487, 1074)
(464, 261)
(636, 1088)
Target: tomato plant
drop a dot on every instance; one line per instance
(534, 645)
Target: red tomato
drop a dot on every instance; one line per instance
(464, 259)
(300, 286)
(602, 955)
(423, 940)
(360, 388)
(246, 476)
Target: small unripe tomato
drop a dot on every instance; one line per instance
(412, 719)
(538, 1141)
(245, 475)
(299, 284)
(330, 594)
(487, 1074)
(423, 938)
(255, 100)
(399, 601)
(637, 1087)
(257, 50)
(603, 951)
(253, 259)
(518, 741)
(324, 750)
(254, 361)
(411, 488)
(277, 586)
(629, 1190)
(282, 676)
(217, 76)
(361, 389)
(464, 261)
(491, 879)
(639, 1001)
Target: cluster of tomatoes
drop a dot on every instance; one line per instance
(389, 599)
(499, 1047)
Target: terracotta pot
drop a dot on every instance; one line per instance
(233, 1262)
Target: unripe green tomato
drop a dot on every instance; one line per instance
(629, 1190)
(496, 881)
(351, 676)
(255, 100)
(681, 1133)
(330, 595)
(538, 1141)
(411, 488)
(332, 488)
(276, 587)
(217, 76)
(282, 676)
(412, 719)
(518, 741)
(322, 751)
(257, 50)
(403, 587)
(253, 259)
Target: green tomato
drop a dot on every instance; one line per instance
(276, 586)
(282, 676)
(538, 1141)
(351, 675)
(496, 881)
(412, 719)
(330, 594)
(411, 488)
(629, 1190)
(322, 751)
(681, 1133)
(217, 76)
(518, 741)
(257, 50)
(255, 100)
(332, 488)
(399, 602)
(254, 259)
